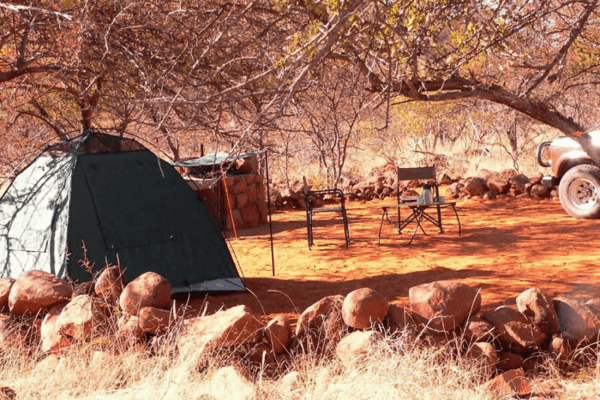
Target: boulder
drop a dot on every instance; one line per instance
(400, 319)
(154, 320)
(561, 348)
(444, 305)
(575, 320)
(84, 288)
(231, 327)
(147, 290)
(475, 186)
(82, 317)
(513, 331)
(510, 383)
(498, 186)
(537, 307)
(322, 320)
(508, 360)
(484, 353)
(5, 286)
(37, 291)
(51, 338)
(363, 308)
(355, 347)
(278, 333)
(538, 191)
(7, 393)
(478, 330)
(519, 182)
(110, 283)
(128, 329)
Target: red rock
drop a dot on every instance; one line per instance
(51, 338)
(147, 290)
(353, 348)
(323, 318)
(110, 283)
(82, 318)
(5, 286)
(514, 331)
(364, 307)
(478, 330)
(537, 307)
(510, 383)
(278, 333)
(444, 305)
(576, 321)
(154, 320)
(231, 327)
(37, 291)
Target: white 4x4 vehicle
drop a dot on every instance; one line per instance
(575, 174)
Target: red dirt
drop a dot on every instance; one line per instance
(506, 247)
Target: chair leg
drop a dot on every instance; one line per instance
(383, 213)
(346, 229)
(309, 229)
(458, 219)
(418, 221)
(439, 214)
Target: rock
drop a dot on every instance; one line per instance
(147, 290)
(154, 320)
(128, 329)
(13, 335)
(51, 339)
(82, 318)
(7, 393)
(355, 347)
(363, 308)
(322, 320)
(561, 348)
(519, 182)
(231, 327)
(498, 186)
(484, 353)
(444, 305)
(278, 333)
(537, 307)
(514, 331)
(37, 291)
(400, 319)
(86, 288)
(110, 283)
(475, 186)
(576, 321)
(489, 195)
(510, 383)
(508, 360)
(536, 178)
(228, 383)
(538, 191)
(484, 174)
(5, 286)
(478, 330)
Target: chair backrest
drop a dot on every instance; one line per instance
(418, 173)
(406, 174)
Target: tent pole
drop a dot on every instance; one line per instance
(270, 217)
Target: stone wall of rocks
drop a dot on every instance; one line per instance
(382, 183)
(238, 199)
(508, 345)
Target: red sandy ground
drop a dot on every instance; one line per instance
(506, 247)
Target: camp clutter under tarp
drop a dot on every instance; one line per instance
(109, 199)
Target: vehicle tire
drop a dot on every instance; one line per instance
(579, 191)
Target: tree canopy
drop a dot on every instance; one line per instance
(235, 69)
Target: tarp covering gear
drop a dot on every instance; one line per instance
(104, 199)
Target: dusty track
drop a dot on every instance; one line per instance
(506, 247)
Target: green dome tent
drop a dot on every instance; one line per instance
(107, 199)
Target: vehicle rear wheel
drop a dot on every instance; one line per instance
(579, 191)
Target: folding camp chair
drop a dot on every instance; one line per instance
(419, 212)
(311, 210)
